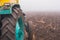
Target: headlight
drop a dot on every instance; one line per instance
(7, 4)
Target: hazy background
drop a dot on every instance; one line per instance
(43, 17)
(40, 5)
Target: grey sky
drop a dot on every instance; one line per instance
(40, 5)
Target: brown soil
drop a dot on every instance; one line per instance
(44, 25)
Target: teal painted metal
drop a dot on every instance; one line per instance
(5, 11)
(19, 29)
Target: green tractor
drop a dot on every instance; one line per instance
(11, 20)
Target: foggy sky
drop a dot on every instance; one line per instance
(40, 5)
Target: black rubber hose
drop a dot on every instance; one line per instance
(0, 26)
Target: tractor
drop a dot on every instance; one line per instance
(12, 21)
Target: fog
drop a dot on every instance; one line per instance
(40, 5)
